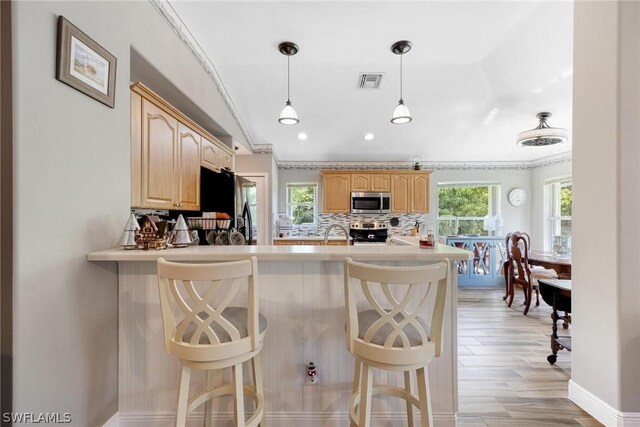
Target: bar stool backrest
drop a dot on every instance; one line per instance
(202, 331)
(420, 288)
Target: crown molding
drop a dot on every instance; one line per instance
(532, 164)
(173, 19)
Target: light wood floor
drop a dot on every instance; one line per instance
(504, 378)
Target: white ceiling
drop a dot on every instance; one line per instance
(477, 75)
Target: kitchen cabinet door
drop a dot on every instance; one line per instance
(400, 193)
(380, 182)
(336, 191)
(188, 169)
(224, 160)
(420, 193)
(159, 142)
(210, 153)
(360, 182)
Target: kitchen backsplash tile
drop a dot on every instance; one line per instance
(406, 223)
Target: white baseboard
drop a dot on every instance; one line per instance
(114, 421)
(601, 410)
(274, 419)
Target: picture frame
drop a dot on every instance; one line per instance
(85, 65)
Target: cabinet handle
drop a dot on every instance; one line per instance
(175, 205)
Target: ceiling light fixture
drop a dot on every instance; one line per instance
(288, 116)
(302, 136)
(542, 135)
(401, 113)
(369, 136)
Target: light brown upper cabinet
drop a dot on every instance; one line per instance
(409, 189)
(210, 155)
(376, 182)
(419, 193)
(159, 141)
(400, 193)
(214, 157)
(188, 170)
(336, 192)
(360, 181)
(167, 150)
(380, 182)
(410, 192)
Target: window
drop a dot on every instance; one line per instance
(463, 207)
(301, 202)
(558, 194)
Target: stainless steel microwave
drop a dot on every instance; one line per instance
(374, 203)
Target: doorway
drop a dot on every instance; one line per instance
(259, 207)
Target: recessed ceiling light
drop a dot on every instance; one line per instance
(302, 136)
(369, 136)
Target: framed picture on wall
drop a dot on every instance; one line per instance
(85, 65)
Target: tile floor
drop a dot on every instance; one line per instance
(504, 378)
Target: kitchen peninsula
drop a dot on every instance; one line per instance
(301, 294)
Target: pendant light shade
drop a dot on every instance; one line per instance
(288, 115)
(401, 114)
(543, 135)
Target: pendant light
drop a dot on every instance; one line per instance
(288, 115)
(401, 114)
(542, 135)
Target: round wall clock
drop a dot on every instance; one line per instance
(517, 197)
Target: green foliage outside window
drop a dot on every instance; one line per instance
(462, 202)
(301, 200)
(566, 196)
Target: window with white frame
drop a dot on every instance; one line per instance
(468, 207)
(302, 202)
(558, 196)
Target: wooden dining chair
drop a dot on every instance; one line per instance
(519, 273)
(508, 263)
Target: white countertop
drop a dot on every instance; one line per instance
(286, 253)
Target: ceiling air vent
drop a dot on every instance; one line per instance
(369, 80)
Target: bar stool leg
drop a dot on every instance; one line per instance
(183, 396)
(208, 406)
(356, 386)
(256, 366)
(424, 396)
(238, 396)
(407, 388)
(365, 396)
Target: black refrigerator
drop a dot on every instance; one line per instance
(228, 193)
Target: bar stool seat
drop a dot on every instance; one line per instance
(208, 334)
(393, 335)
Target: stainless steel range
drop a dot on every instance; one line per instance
(368, 232)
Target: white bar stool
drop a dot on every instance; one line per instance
(391, 335)
(210, 335)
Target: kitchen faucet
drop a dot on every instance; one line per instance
(326, 233)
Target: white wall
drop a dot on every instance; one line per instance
(72, 196)
(606, 208)
(538, 177)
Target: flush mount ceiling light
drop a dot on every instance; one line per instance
(288, 116)
(302, 136)
(542, 135)
(401, 113)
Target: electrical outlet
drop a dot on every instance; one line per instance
(311, 378)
